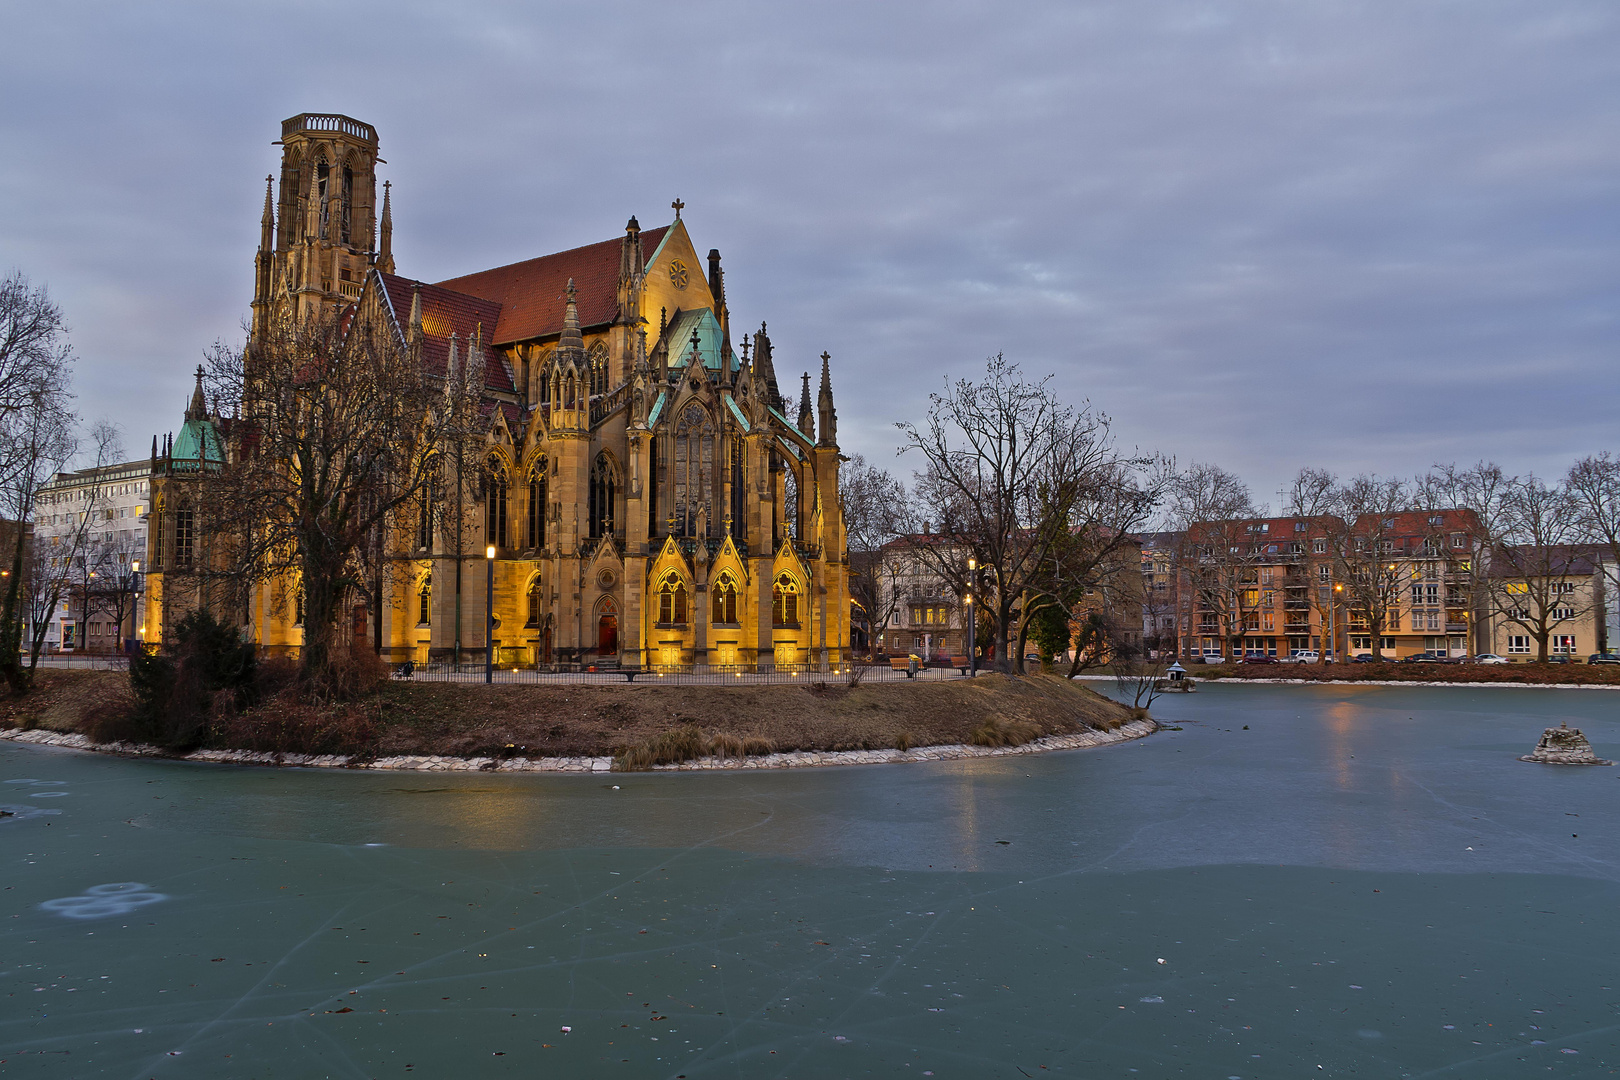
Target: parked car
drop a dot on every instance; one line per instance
(1603, 658)
(1258, 658)
(1491, 658)
(1364, 658)
(1301, 656)
(1418, 658)
(1560, 659)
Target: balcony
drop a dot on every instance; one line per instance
(1297, 628)
(1296, 605)
(1456, 628)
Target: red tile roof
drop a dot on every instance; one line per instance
(445, 312)
(530, 294)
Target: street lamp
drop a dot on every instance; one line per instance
(1333, 637)
(489, 613)
(973, 623)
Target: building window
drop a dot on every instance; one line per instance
(604, 492)
(537, 505)
(424, 522)
(672, 600)
(1458, 540)
(1559, 614)
(1518, 643)
(694, 471)
(157, 539)
(598, 365)
(184, 523)
(725, 600)
(1563, 643)
(785, 601)
(495, 503)
(534, 603)
(424, 602)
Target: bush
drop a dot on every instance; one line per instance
(288, 725)
(209, 675)
(687, 743)
(999, 731)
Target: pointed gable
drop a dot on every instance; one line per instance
(529, 294)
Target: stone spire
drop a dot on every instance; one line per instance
(807, 420)
(824, 403)
(764, 373)
(267, 222)
(385, 248)
(571, 337)
(198, 409)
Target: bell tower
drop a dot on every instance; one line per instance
(320, 237)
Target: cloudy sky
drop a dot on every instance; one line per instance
(1362, 235)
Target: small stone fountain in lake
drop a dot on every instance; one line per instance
(1563, 745)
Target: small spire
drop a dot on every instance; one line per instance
(571, 337)
(414, 334)
(450, 364)
(806, 418)
(679, 206)
(198, 409)
(154, 448)
(385, 250)
(824, 403)
(267, 223)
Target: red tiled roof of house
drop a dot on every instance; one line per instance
(530, 294)
(1417, 523)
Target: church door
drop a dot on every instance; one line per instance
(607, 636)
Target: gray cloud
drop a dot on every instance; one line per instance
(1360, 235)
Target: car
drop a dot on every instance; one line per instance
(1491, 658)
(1301, 656)
(1258, 658)
(1562, 660)
(1418, 658)
(1603, 658)
(1365, 658)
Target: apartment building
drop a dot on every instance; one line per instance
(918, 611)
(1424, 563)
(1560, 593)
(1256, 587)
(89, 537)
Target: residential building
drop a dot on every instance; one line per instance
(1258, 586)
(1557, 594)
(1427, 560)
(90, 535)
(919, 612)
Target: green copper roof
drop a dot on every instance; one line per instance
(198, 441)
(710, 339)
(738, 413)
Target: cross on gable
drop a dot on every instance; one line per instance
(679, 206)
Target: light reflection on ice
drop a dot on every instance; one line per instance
(104, 901)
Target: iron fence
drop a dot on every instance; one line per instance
(606, 674)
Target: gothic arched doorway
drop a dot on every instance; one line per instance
(607, 630)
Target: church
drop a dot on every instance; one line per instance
(646, 497)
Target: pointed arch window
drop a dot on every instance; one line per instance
(424, 521)
(424, 602)
(157, 535)
(536, 530)
(603, 496)
(598, 369)
(672, 600)
(789, 512)
(536, 599)
(694, 472)
(785, 601)
(495, 484)
(323, 177)
(348, 198)
(724, 594)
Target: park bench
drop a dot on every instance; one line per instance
(960, 663)
(902, 663)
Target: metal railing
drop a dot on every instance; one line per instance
(607, 674)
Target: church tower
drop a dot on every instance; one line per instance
(318, 239)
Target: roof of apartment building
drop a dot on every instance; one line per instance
(1270, 530)
(1418, 524)
(1510, 561)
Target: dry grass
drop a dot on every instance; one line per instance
(642, 725)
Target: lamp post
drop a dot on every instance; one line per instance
(1333, 637)
(489, 613)
(973, 623)
(134, 604)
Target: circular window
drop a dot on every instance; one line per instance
(677, 274)
(606, 579)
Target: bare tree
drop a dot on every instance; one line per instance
(872, 502)
(1364, 554)
(1011, 473)
(1217, 563)
(1593, 485)
(36, 439)
(341, 436)
(1539, 577)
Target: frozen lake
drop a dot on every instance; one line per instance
(1365, 879)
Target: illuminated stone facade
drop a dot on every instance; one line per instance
(648, 496)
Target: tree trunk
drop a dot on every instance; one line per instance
(11, 624)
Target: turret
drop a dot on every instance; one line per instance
(198, 409)
(763, 371)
